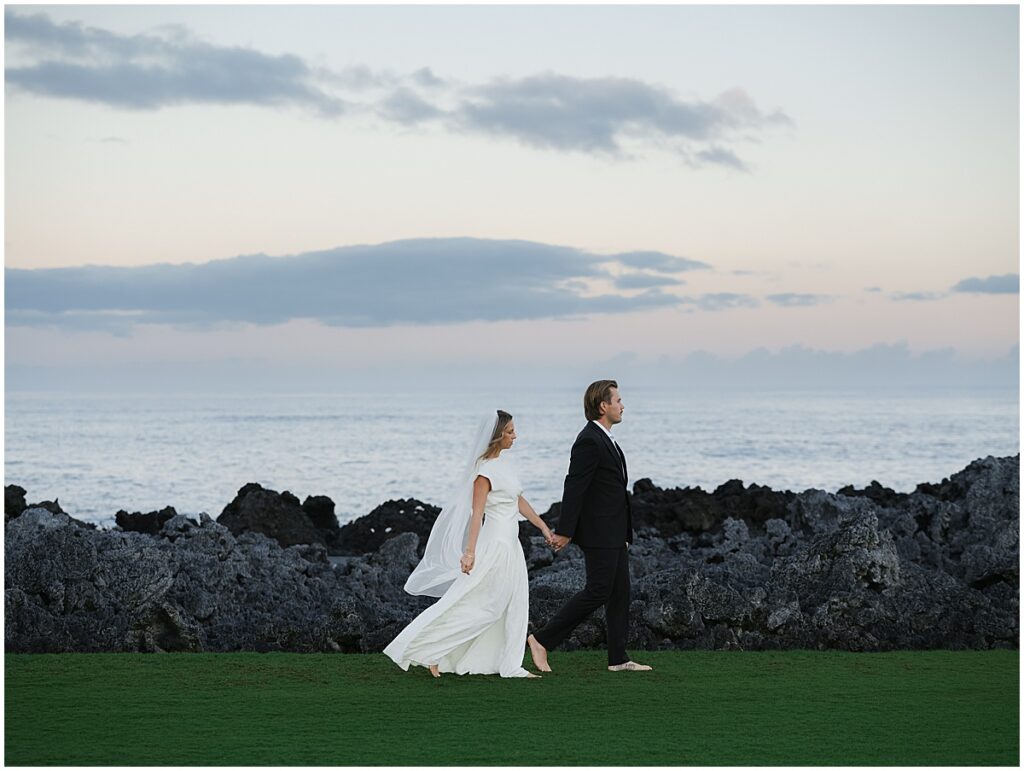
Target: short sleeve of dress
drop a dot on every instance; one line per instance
(484, 470)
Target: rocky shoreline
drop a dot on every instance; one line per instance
(742, 567)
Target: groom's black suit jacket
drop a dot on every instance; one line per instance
(595, 502)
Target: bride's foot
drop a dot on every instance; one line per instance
(433, 670)
(533, 676)
(539, 654)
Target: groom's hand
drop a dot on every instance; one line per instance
(559, 542)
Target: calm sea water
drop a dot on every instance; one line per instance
(98, 454)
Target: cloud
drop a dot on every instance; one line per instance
(872, 289)
(358, 77)
(425, 77)
(917, 296)
(417, 281)
(794, 299)
(169, 66)
(879, 366)
(720, 301)
(722, 157)
(664, 263)
(594, 115)
(406, 107)
(644, 281)
(1006, 284)
(146, 72)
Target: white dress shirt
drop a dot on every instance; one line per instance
(615, 444)
(600, 425)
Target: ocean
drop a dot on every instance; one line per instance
(101, 453)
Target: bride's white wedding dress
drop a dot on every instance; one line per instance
(478, 627)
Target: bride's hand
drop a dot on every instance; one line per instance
(559, 542)
(467, 562)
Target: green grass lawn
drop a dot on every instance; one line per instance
(696, 708)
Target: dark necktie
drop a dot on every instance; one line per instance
(622, 458)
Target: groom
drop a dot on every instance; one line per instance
(596, 516)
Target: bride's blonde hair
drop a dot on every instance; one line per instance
(499, 428)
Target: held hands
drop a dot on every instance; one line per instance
(466, 563)
(558, 542)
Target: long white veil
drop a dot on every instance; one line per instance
(440, 564)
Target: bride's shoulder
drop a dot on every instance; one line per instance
(490, 465)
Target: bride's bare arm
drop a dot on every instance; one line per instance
(481, 486)
(527, 511)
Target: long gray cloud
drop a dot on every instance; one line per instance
(644, 281)
(1006, 284)
(551, 111)
(659, 261)
(146, 72)
(596, 114)
(879, 366)
(418, 281)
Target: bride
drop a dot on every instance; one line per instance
(473, 561)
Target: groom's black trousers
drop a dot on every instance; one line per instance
(608, 585)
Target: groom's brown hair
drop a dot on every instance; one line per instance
(597, 392)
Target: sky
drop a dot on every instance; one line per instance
(227, 195)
